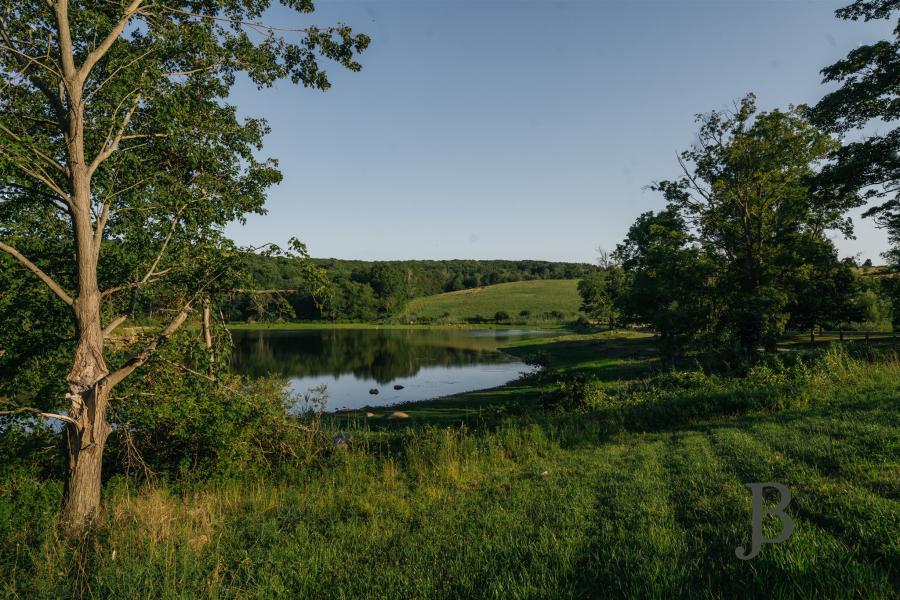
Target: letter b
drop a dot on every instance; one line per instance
(759, 511)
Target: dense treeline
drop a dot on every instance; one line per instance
(365, 291)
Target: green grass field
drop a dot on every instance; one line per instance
(538, 298)
(484, 495)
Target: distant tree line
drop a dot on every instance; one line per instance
(366, 291)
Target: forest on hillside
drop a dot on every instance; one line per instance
(281, 288)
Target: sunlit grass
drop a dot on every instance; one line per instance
(521, 505)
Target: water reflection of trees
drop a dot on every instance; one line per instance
(382, 355)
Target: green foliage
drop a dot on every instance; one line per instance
(823, 288)
(667, 281)
(574, 392)
(869, 80)
(187, 415)
(642, 490)
(186, 165)
(742, 242)
(366, 291)
(389, 284)
(602, 294)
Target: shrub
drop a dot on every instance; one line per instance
(501, 315)
(576, 391)
(188, 415)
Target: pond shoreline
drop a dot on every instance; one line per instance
(307, 325)
(383, 366)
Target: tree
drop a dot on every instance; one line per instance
(389, 283)
(353, 300)
(823, 288)
(667, 279)
(890, 287)
(748, 197)
(118, 148)
(869, 92)
(601, 293)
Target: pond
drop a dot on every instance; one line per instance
(427, 363)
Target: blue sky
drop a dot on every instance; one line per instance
(522, 129)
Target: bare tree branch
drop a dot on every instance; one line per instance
(151, 272)
(66, 58)
(40, 176)
(40, 413)
(193, 71)
(37, 152)
(25, 61)
(116, 72)
(255, 25)
(101, 225)
(139, 360)
(128, 286)
(104, 46)
(110, 145)
(55, 287)
(51, 198)
(107, 331)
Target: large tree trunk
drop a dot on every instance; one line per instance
(87, 381)
(81, 499)
(89, 396)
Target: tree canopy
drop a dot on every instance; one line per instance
(868, 92)
(122, 161)
(740, 227)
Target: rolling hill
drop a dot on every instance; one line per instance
(554, 299)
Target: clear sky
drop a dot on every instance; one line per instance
(522, 129)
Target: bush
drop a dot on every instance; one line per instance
(501, 315)
(577, 391)
(190, 417)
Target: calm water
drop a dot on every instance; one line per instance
(350, 362)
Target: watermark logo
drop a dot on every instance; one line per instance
(760, 510)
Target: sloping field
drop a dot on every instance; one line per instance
(539, 298)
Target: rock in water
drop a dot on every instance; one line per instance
(398, 415)
(398, 387)
(373, 391)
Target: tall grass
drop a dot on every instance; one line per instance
(639, 494)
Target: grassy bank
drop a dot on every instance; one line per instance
(328, 325)
(636, 492)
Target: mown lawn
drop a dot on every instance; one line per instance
(509, 501)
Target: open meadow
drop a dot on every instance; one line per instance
(635, 488)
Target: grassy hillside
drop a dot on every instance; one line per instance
(539, 298)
